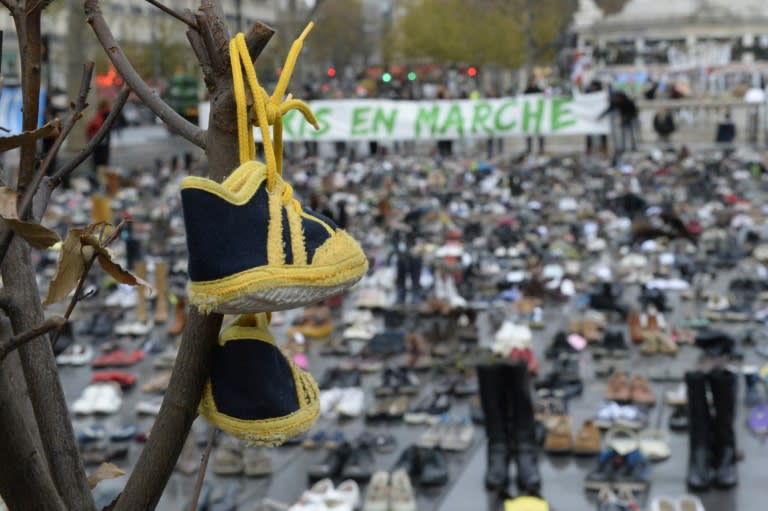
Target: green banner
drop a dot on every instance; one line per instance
(533, 114)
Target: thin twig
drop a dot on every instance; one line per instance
(149, 97)
(179, 16)
(25, 206)
(201, 472)
(81, 283)
(23, 338)
(117, 107)
(77, 112)
(74, 300)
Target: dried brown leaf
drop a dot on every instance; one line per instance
(104, 472)
(7, 143)
(8, 202)
(35, 234)
(119, 273)
(70, 267)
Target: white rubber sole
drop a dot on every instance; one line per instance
(278, 299)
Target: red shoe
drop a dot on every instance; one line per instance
(118, 359)
(125, 380)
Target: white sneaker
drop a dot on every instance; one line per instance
(109, 399)
(84, 404)
(351, 403)
(401, 492)
(363, 331)
(75, 355)
(348, 492)
(377, 498)
(329, 398)
(666, 504)
(149, 407)
(690, 503)
(510, 336)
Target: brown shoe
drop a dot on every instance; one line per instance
(635, 327)
(559, 438)
(591, 330)
(618, 388)
(588, 440)
(180, 316)
(641, 393)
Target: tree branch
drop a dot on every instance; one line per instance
(25, 482)
(21, 339)
(175, 122)
(82, 102)
(28, 31)
(25, 206)
(179, 16)
(9, 4)
(41, 374)
(117, 107)
(201, 472)
(178, 411)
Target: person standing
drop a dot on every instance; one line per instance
(664, 124)
(101, 152)
(596, 86)
(626, 109)
(533, 88)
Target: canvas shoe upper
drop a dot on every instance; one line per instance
(254, 392)
(252, 246)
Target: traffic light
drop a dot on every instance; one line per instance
(331, 72)
(472, 71)
(412, 75)
(386, 77)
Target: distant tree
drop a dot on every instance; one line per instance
(506, 33)
(340, 27)
(611, 6)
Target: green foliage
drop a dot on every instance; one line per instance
(611, 6)
(339, 35)
(506, 33)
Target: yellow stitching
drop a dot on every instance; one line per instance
(316, 219)
(297, 237)
(275, 251)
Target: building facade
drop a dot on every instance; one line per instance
(722, 39)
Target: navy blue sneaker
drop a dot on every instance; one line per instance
(256, 249)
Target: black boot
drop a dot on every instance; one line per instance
(492, 386)
(699, 426)
(521, 427)
(723, 386)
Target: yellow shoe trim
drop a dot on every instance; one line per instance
(325, 271)
(248, 327)
(237, 189)
(298, 248)
(275, 252)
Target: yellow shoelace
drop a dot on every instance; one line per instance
(267, 110)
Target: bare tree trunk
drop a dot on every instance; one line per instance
(42, 378)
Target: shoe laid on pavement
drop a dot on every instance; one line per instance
(402, 497)
(377, 497)
(75, 355)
